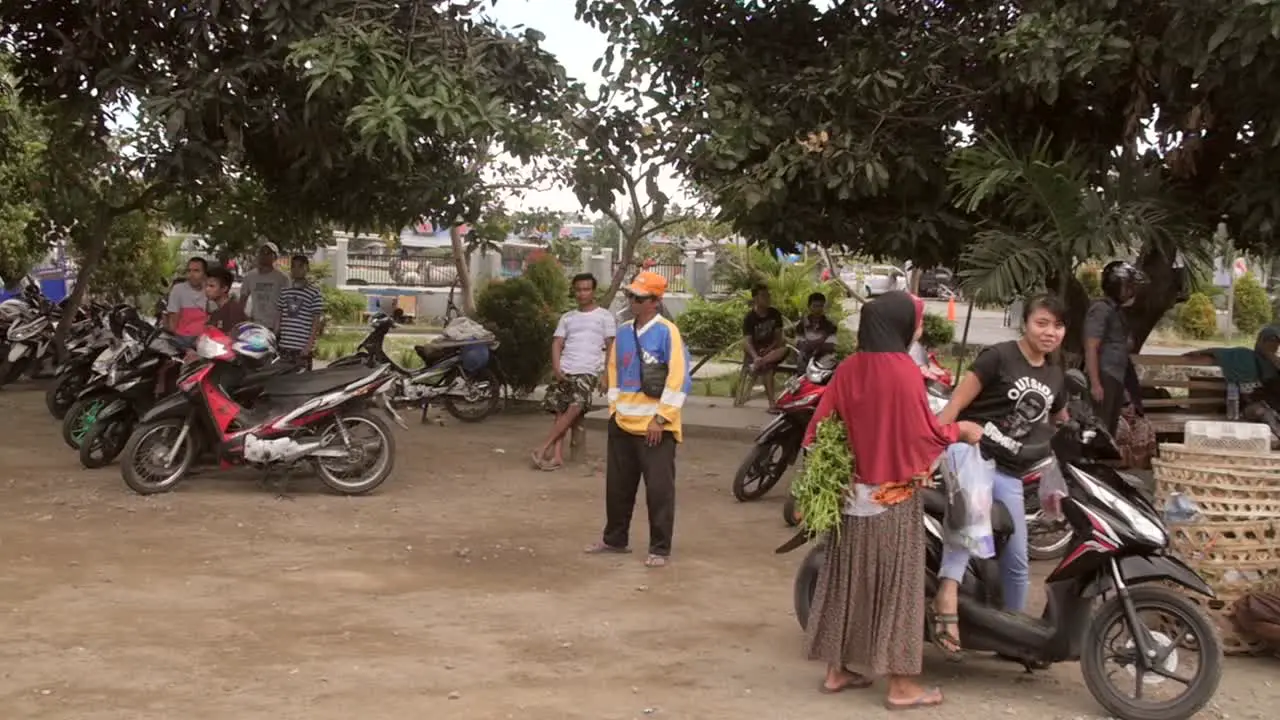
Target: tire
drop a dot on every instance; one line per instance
(75, 423)
(768, 477)
(790, 515)
(62, 395)
(128, 466)
(105, 440)
(1202, 687)
(806, 583)
(387, 459)
(11, 372)
(490, 403)
(1051, 547)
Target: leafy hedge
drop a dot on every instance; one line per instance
(1196, 318)
(518, 313)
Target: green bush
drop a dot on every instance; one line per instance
(517, 312)
(547, 275)
(1252, 306)
(342, 307)
(742, 268)
(1196, 318)
(1090, 276)
(711, 325)
(938, 331)
(846, 342)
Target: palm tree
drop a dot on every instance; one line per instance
(1052, 216)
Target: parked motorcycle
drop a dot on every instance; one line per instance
(777, 445)
(464, 376)
(1117, 554)
(309, 417)
(75, 371)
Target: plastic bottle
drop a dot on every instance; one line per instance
(1180, 509)
(1233, 401)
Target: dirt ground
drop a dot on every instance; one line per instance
(459, 590)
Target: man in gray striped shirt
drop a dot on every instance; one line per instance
(301, 314)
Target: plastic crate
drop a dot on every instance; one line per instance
(1219, 435)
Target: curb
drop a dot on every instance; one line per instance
(597, 421)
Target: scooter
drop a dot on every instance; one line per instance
(299, 418)
(778, 444)
(1118, 554)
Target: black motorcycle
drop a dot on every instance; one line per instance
(82, 353)
(1117, 554)
(135, 363)
(464, 376)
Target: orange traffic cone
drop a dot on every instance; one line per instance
(951, 309)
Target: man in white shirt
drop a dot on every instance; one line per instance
(583, 339)
(261, 286)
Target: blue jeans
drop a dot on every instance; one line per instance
(1015, 575)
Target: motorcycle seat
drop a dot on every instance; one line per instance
(313, 383)
(432, 355)
(935, 505)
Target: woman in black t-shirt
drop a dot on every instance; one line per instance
(1015, 392)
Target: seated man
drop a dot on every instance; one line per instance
(815, 333)
(762, 336)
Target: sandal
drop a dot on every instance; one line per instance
(605, 549)
(539, 461)
(927, 699)
(855, 681)
(655, 561)
(943, 638)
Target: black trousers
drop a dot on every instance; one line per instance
(629, 460)
(1112, 403)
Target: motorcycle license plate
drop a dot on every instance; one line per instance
(16, 352)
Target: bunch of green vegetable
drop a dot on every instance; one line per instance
(820, 489)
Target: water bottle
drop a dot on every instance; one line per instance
(1233, 401)
(1180, 509)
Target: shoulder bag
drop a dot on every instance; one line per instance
(653, 375)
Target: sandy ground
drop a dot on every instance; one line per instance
(457, 591)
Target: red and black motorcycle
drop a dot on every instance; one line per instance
(778, 444)
(310, 417)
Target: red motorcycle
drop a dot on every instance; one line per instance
(778, 444)
(309, 417)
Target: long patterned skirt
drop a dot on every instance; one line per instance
(868, 608)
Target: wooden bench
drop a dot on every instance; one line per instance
(1194, 383)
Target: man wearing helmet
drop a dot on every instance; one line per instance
(1107, 342)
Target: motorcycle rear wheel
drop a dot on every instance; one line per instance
(137, 445)
(370, 479)
(1093, 655)
(486, 404)
(104, 442)
(760, 471)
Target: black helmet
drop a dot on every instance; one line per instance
(1119, 274)
(381, 321)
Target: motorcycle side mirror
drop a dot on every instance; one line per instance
(1076, 382)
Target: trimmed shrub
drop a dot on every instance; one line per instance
(547, 275)
(517, 312)
(711, 325)
(938, 331)
(1196, 318)
(1252, 308)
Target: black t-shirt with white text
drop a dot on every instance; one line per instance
(1017, 398)
(762, 329)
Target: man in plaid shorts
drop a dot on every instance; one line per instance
(582, 340)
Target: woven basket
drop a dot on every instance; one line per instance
(1222, 495)
(1221, 612)
(1207, 457)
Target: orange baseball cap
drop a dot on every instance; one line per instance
(648, 284)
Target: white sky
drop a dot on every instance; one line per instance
(576, 45)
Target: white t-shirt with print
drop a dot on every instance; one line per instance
(585, 334)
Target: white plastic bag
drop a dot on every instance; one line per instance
(464, 328)
(1053, 488)
(968, 480)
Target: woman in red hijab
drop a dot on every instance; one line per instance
(869, 607)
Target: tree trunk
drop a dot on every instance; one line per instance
(1155, 298)
(629, 243)
(92, 258)
(463, 268)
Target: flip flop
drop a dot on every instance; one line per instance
(942, 638)
(861, 683)
(539, 463)
(927, 699)
(603, 549)
(655, 561)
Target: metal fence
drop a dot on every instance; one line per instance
(389, 268)
(673, 272)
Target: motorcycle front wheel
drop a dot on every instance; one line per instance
(483, 394)
(1110, 638)
(762, 468)
(370, 460)
(145, 462)
(104, 441)
(80, 418)
(63, 394)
